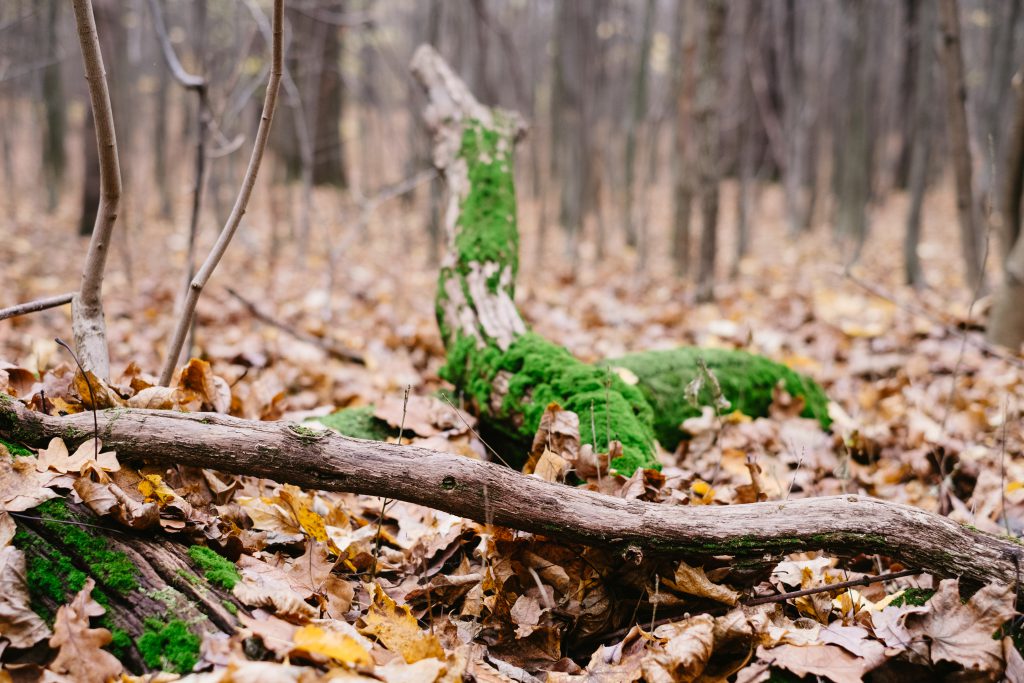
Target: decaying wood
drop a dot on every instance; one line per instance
(490, 493)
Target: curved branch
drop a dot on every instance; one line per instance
(241, 202)
(87, 321)
(490, 493)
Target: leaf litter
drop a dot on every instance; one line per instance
(341, 587)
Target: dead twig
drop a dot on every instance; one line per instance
(867, 580)
(332, 347)
(37, 305)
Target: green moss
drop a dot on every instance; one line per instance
(217, 570)
(543, 373)
(169, 645)
(913, 596)
(358, 423)
(110, 568)
(120, 643)
(189, 577)
(14, 449)
(487, 216)
(747, 381)
(230, 607)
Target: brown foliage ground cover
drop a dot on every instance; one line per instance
(426, 596)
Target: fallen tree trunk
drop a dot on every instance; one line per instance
(490, 493)
(510, 375)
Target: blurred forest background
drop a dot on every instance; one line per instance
(675, 138)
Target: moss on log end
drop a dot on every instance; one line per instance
(747, 381)
(514, 387)
(359, 423)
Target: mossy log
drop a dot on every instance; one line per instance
(510, 374)
(157, 597)
(493, 494)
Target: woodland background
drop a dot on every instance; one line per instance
(790, 177)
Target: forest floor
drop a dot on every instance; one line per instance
(912, 395)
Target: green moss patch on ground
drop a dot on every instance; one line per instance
(218, 570)
(359, 423)
(14, 449)
(747, 381)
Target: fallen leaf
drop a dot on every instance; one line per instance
(828, 661)
(693, 581)
(19, 625)
(22, 486)
(338, 646)
(79, 646)
(685, 652)
(962, 632)
(397, 629)
(89, 455)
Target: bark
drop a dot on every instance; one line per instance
(956, 108)
(491, 494)
(87, 320)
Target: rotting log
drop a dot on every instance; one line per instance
(158, 602)
(492, 494)
(510, 374)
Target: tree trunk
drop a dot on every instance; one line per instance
(54, 157)
(638, 115)
(682, 162)
(960, 140)
(920, 144)
(707, 123)
(1006, 321)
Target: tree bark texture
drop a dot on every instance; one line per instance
(709, 132)
(1006, 320)
(493, 494)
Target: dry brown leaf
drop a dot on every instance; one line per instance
(693, 581)
(110, 499)
(106, 396)
(424, 671)
(559, 432)
(550, 467)
(962, 632)
(19, 625)
(526, 613)
(263, 585)
(685, 652)
(22, 486)
(89, 455)
(310, 575)
(397, 629)
(79, 646)
(828, 661)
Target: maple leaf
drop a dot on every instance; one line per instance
(79, 646)
(962, 632)
(55, 457)
(19, 625)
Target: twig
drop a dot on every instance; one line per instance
(37, 305)
(92, 396)
(782, 597)
(328, 345)
(87, 322)
(241, 202)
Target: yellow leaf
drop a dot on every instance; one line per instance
(310, 521)
(395, 627)
(153, 488)
(338, 646)
(704, 490)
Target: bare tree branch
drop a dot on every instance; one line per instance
(87, 321)
(37, 305)
(241, 202)
(493, 494)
